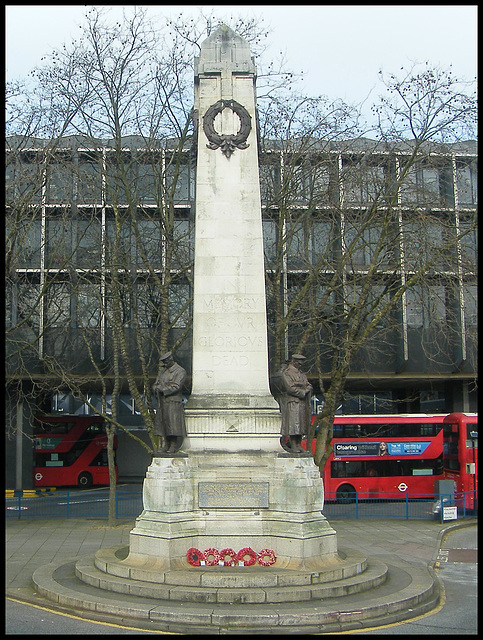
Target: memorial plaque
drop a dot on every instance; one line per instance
(233, 495)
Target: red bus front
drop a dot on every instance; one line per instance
(460, 455)
(71, 450)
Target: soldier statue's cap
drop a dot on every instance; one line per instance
(298, 356)
(167, 355)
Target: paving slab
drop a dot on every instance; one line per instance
(409, 548)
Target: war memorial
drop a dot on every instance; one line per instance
(232, 536)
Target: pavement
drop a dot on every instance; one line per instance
(33, 543)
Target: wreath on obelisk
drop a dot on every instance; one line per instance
(227, 143)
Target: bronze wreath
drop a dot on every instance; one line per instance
(228, 143)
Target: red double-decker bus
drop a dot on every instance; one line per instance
(70, 450)
(377, 455)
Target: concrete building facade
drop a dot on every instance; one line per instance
(62, 208)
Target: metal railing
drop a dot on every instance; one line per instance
(129, 504)
(393, 505)
(74, 504)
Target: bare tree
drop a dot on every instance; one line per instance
(354, 256)
(115, 253)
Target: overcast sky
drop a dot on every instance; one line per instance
(340, 48)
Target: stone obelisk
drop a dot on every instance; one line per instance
(230, 392)
(231, 486)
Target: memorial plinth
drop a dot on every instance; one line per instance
(232, 485)
(257, 500)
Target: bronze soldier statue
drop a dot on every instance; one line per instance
(295, 402)
(170, 422)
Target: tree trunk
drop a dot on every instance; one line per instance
(111, 518)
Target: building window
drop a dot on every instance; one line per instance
(269, 180)
(270, 241)
(297, 241)
(59, 242)
(119, 241)
(149, 253)
(469, 244)
(148, 183)
(467, 181)
(323, 236)
(363, 182)
(183, 243)
(60, 182)
(28, 303)
(120, 182)
(470, 304)
(376, 298)
(89, 183)
(432, 401)
(179, 305)
(29, 178)
(180, 182)
(58, 312)
(362, 242)
(421, 186)
(423, 237)
(425, 306)
(88, 300)
(9, 181)
(88, 242)
(299, 184)
(148, 305)
(119, 303)
(368, 402)
(24, 239)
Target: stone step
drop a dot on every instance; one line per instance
(113, 561)
(231, 592)
(410, 590)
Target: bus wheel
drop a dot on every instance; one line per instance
(84, 481)
(346, 494)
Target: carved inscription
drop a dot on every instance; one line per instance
(228, 302)
(233, 495)
(229, 361)
(235, 322)
(231, 342)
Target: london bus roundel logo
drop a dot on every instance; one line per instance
(38, 476)
(402, 487)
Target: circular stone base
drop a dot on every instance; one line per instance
(350, 574)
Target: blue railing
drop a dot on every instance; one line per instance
(74, 504)
(129, 504)
(395, 505)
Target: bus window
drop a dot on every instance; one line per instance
(450, 447)
(386, 468)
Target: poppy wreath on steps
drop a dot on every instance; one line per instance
(212, 557)
(242, 556)
(267, 557)
(229, 557)
(195, 556)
